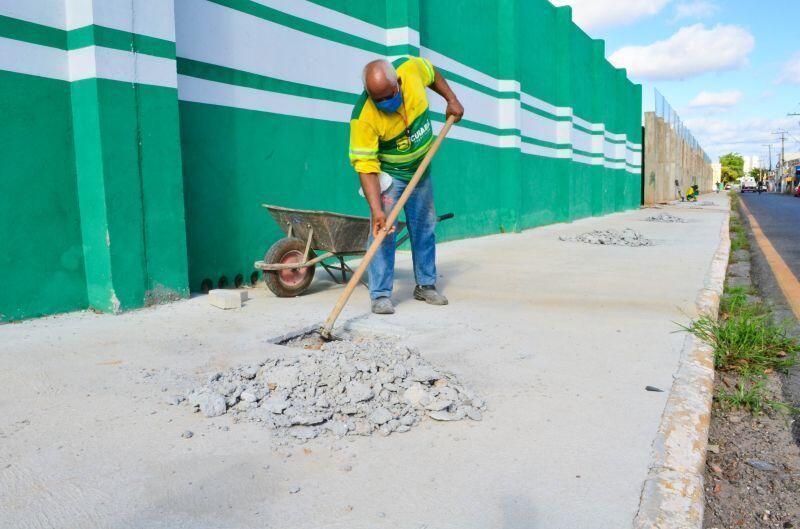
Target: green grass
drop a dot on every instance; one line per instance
(746, 341)
(752, 395)
(734, 299)
(738, 235)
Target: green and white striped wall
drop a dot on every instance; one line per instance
(166, 124)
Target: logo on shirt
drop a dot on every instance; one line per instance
(403, 144)
(420, 132)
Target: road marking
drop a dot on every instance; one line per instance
(788, 282)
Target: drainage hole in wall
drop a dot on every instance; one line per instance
(223, 282)
(206, 285)
(238, 280)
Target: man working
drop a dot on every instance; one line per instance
(390, 132)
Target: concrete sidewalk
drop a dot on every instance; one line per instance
(561, 338)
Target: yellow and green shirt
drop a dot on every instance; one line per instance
(378, 141)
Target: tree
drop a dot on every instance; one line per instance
(732, 167)
(755, 173)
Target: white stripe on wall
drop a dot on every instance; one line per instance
(47, 12)
(154, 18)
(243, 42)
(33, 59)
(212, 33)
(86, 63)
(215, 34)
(321, 63)
(210, 92)
(117, 65)
(328, 17)
(402, 36)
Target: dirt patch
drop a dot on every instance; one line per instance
(752, 477)
(752, 467)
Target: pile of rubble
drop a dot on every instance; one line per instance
(626, 237)
(355, 386)
(665, 217)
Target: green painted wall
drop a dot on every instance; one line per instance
(91, 194)
(121, 190)
(41, 256)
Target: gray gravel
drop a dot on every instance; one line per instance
(665, 217)
(355, 386)
(627, 237)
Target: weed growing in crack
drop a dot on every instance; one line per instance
(748, 345)
(746, 340)
(751, 394)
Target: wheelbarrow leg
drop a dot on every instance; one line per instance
(361, 280)
(328, 268)
(343, 269)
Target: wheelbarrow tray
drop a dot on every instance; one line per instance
(332, 232)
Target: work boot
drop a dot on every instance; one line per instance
(382, 305)
(429, 295)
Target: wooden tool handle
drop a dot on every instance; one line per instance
(351, 285)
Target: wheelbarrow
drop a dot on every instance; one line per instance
(290, 263)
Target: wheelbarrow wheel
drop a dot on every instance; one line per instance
(290, 282)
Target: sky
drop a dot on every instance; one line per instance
(730, 68)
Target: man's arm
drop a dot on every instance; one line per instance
(370, 183)
(440, 86)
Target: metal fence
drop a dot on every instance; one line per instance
(665, 111)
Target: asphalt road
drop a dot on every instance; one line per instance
(779, 218)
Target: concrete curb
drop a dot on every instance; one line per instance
(672, 495)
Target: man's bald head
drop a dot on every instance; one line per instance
(380, 79)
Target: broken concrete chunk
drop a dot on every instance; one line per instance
(438, 405)
(275, 404)
(446, 416)
(310, 419)
(284, 377)
(407, 420)
(213, 405)
(174, 400)
(358, 392)
(417, 396)
(360, 387)
(248, 396)
(338, 428)
(424, 373)
(473, 413)
(303, 432)
(381, 416)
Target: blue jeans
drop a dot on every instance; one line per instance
(421, 221)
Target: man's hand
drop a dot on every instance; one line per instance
(379, 222)
(454, 108)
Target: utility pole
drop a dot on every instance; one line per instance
(769, 167)
(783, 153)
(770, 156)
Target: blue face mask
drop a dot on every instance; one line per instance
(392, 104)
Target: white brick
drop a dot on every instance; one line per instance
(225, 299)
